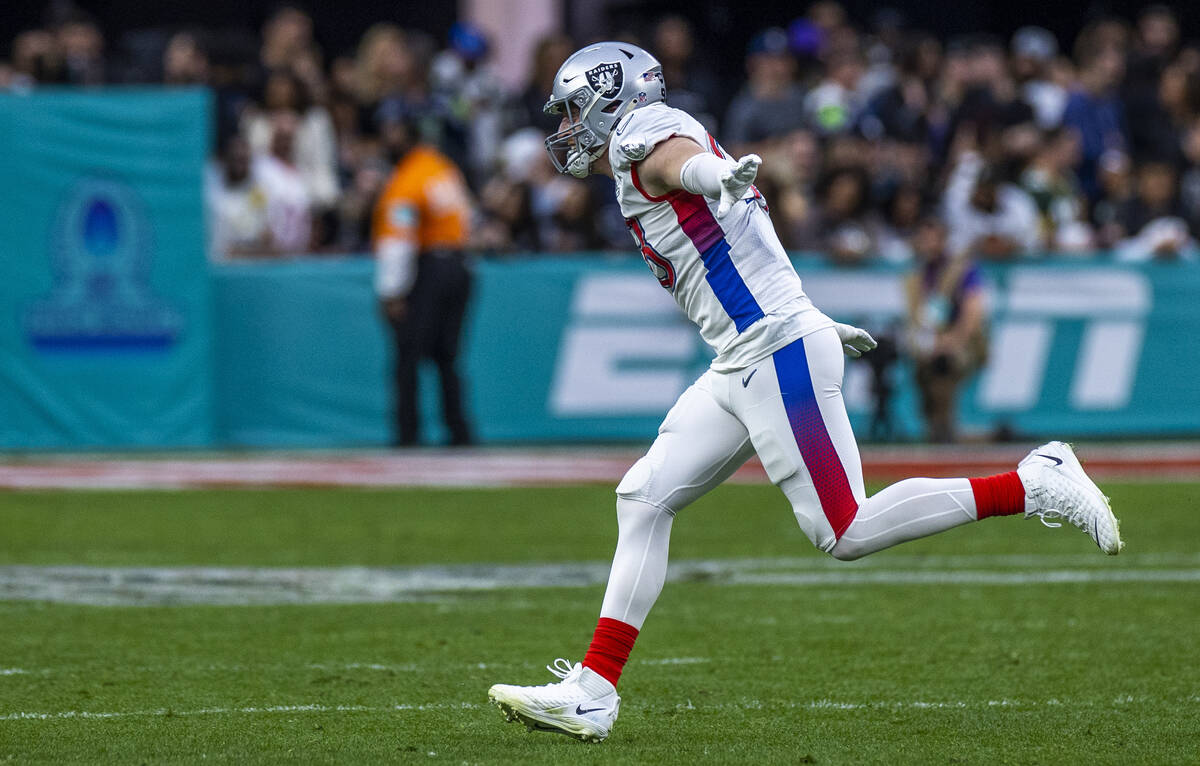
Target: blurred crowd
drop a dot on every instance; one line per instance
(1016, 147)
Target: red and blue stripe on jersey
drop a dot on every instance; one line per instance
(701, 227)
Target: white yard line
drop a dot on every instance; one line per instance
(350, 667)
(157, 586)
(171, 713)
(689, 705)
(509, 467)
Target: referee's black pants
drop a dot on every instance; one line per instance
(431, 329)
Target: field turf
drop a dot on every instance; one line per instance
(1001, 642)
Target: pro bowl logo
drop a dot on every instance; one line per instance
(606, 79)
(100, 256)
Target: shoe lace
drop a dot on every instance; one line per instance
(1073, 516)
(561, 668)
(1044, 516)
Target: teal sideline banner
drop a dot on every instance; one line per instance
(592, 348)
(105, 327)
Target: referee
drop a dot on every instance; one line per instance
(419, 229)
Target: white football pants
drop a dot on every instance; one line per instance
(788, 408)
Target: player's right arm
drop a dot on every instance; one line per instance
(680, 163)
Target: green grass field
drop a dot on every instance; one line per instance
(997, 643)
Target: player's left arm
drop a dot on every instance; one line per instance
(681, 163)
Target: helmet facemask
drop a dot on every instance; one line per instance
(576, 146)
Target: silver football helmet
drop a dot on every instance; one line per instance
(595, 87)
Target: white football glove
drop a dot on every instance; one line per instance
(736, 180)
(855, 340)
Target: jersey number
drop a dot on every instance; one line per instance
(659, 266)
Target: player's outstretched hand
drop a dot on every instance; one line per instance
(855, 340)
(736, 180)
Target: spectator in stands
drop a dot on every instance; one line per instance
(289, 205)
(840, 228)
(385, 65)
(1189, 185)
(1157, 38)
(893, 228)
(882, 51)
(185, 61)
(1154, 219)
(357, 203)
(1178, 92)
(986, 216)
(992, 103)
(770, 104)
(788, 180)
(946, 91)
(1116, 190)
(475, 95)
(37, 59)
(548, 54)
(693, 85)
(1050, 181)
(314, 148)
(236, 205)
(1154, 47)
(902, 109)
(287, 34)
(506, 200)
(1094, 111)
(1034, 53)
(419, 235)
(947, 331)
(834, 105)
(82, 45)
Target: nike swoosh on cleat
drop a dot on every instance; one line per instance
(580, 711)
(1057, 460)
(746, 380)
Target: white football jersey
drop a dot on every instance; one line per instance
(731, 277)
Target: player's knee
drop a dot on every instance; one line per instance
(637, 482)
(640, 491)
(847, 550)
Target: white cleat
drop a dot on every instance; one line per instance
(1055, 481)
(582, 705)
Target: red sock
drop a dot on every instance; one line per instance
(999, 495)
(610, 648)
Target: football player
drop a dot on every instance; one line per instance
(774, 388)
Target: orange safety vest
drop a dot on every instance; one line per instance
(426, 201)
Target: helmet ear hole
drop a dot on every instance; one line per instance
(612, 107)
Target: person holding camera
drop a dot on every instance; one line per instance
(947, 327)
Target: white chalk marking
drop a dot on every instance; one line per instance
(502, 467)
(133, 586)
(745, 704)
(172, 713)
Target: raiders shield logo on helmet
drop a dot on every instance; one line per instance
(606, 79)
